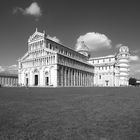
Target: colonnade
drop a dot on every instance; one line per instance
(74, 77)
(8, 81)
(48, 60)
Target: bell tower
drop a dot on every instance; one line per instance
(123, 65)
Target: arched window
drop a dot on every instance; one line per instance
(50, 46)
(54, 59)
(46, 73)
(35, 71)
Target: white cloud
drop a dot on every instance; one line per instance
(134, 69)
(94, 41)
(18, 9)
(33, 10)
(55, 39)
(1, 69)
(138, 71)
(134, 58)
(136, 51)
(9, 69)
(13, 66)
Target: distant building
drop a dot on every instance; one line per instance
(137, 82)
(47, 63)
(112, 70)
(8, 79)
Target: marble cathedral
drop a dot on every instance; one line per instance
(47, 63)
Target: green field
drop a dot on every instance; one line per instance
(70, 113)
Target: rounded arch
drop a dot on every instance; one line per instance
(46, 73)
(36, 77)
(124, 49)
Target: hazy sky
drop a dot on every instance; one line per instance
(106, 22)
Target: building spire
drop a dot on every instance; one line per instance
(44, 31)
(36, 30)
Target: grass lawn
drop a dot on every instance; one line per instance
(70, 113)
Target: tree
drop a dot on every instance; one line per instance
(132, 81)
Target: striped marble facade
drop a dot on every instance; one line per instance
(48, 63)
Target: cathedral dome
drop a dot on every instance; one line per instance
(83, 49)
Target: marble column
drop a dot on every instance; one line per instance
(83, 80)
(2, 80)
(68, 77)
(64, 76)
(77, 81)
(79, 78)
(88, 79)
(71, 77)
(62, 84)
(74, 77)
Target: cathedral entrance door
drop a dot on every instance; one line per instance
(27, 81)
(47, 81)
(36, 80)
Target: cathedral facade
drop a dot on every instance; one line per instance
(50, 64)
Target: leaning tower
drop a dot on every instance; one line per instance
(123, 65)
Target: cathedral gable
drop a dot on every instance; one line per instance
(36, 36)
(25, 57)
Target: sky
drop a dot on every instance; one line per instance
(104, 25)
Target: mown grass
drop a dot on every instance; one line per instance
(70, 114)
